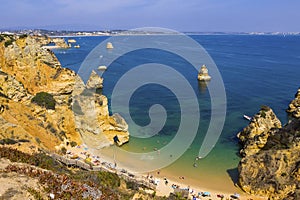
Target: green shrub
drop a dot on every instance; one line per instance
(38, 140)
(44, 99)
(109, 179)
(265, 108)
(8, 42)
(132, 185)
(8, 141)
(23, 36)
(63, 150)
(73, 144)
(263, 114)
(1, 38)
(36, 194)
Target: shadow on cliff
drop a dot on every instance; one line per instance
(234, 174)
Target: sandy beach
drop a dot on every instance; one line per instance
(165, 182)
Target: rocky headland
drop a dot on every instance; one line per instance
(41, 102)
(270, 164)
(60, 43)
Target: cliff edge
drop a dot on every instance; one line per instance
(270, 164)
(37, 98)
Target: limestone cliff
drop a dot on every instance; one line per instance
(255, 135)
(26, 69)
(271, 157)
(294, 106)
(95, 81)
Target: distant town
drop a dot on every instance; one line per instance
(129, 32)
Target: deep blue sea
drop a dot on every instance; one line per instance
(256, 70)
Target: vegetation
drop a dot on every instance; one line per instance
(265, 108)
(63, 151)
(11, 141)
(66, 183)
(8, 141)
(44, 99)
(263, 114)
(23, 36)
(36, 194)
(51, 65)
(78, 185)
(8, 42)
(1, 38)
(132, 185)
(73, 144)
(38, 140)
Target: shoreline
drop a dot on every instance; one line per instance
(159, 177)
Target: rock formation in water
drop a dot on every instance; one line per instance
(95, 81)
(109, 45)
(71, 41)
(30, 74)
(271, 156)
(60, 42)
(203, 74)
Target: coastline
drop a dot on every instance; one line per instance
(160, 176)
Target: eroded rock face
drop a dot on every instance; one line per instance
(255, 135)
(92, 116)
(203, 74)
(294, 106)
(271, 158)
(95, 81)
(12, 89)
(36, 68)
(60, 42)
(25, 70)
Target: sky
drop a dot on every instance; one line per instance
(180, 15)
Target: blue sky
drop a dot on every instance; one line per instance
(188, 15)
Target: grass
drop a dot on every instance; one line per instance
(36, 194)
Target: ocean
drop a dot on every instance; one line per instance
(256, 70)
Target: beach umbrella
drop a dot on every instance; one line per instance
(206, 194)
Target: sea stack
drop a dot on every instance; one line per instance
(71, 41)
(203, 74)
(109, 45)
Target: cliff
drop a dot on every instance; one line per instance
(27, 72)
(294, 106)
(271, 156)
(255, 135)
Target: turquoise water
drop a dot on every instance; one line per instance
(256, 70)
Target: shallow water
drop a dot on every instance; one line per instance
(256, 70)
